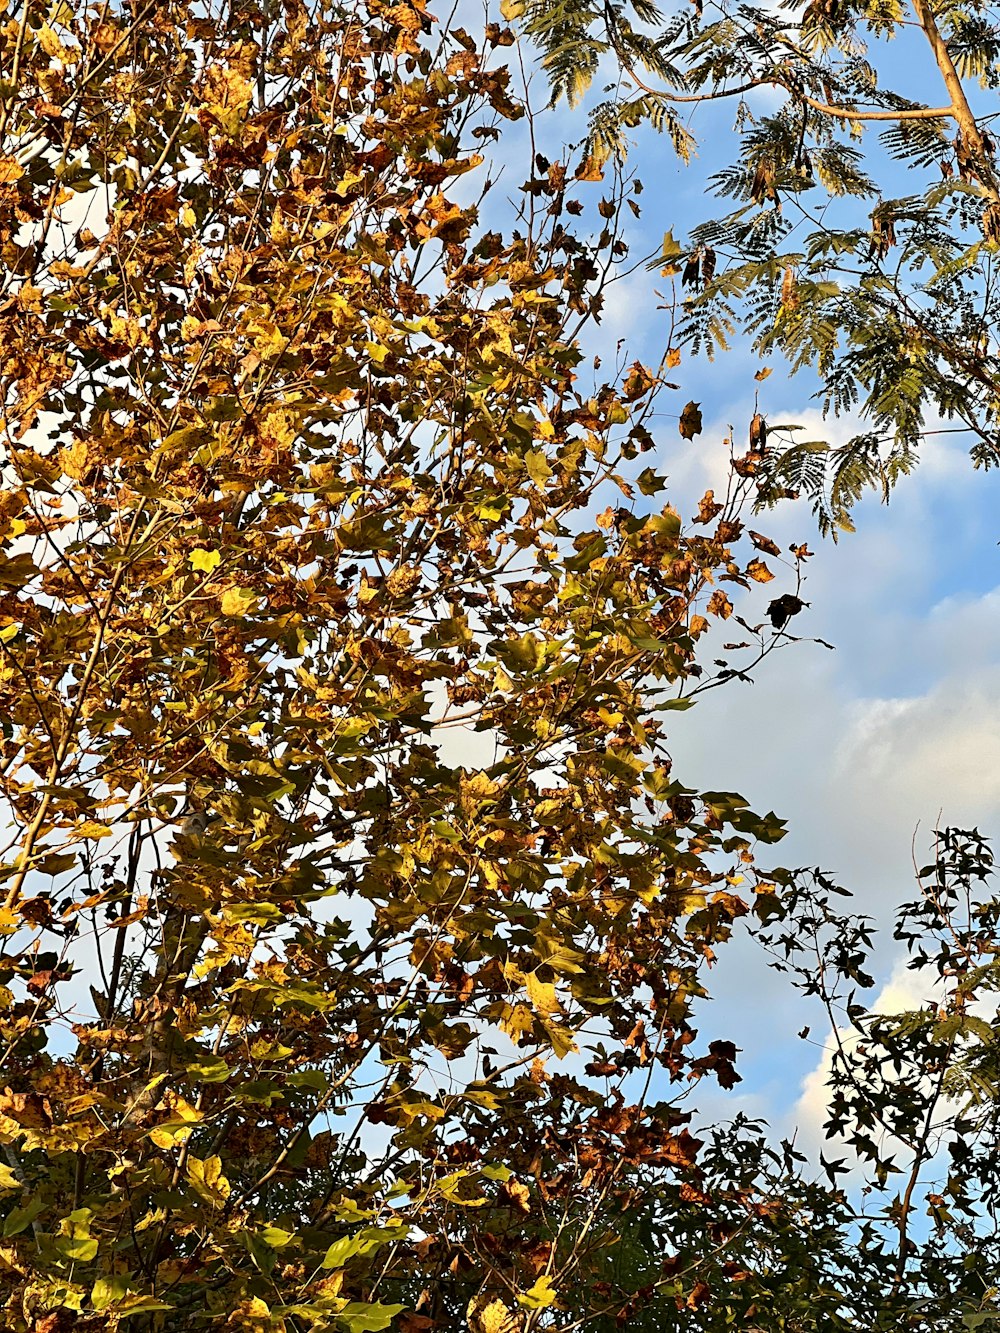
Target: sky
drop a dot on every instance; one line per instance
(863, 750)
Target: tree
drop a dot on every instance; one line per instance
(871, 266)
(895, 1225)
(303, 476)
(914, 1095)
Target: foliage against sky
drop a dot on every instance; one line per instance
(305, 1026)
(859, 215)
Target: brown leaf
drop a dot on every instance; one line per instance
(758, 433)
(781, 610)
(789, 289)
(698, 1295)
(690, 421)
(759, 572)
(708, 508)
(763, 543)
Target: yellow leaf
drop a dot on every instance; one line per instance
(170, 1134)
(516, 1020)
(237, 601)
(759, 572)
(542, 995)
(207, 1178)
(268, 340)
(540, 1296)
(91, 829)
(494, 1318)
(74, 459)
(206, 561)
(51, 45)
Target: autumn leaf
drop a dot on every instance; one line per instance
(720, 605)
(90, 828)
(781, 610)
(518, 1195)
(538, 466)
(758, 433)
(539, 1296)
(690, 421)
(491, 1315)
(542, 995)
(759, 572)
(207, 1179)
(204, 561)
(237, 601)
(763, 543)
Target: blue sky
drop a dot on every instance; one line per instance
(862, 749)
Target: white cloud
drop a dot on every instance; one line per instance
(861, 749)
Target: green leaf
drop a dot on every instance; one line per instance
(208, 1069)
(19, 1218)
(109, 1290)
(359, 1318)
(651, 481)
(539, 468)
(276, 1237)
(371, 1238)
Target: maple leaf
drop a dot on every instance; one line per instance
(689, 423)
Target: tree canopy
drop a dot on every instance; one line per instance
(303, 475)
(356, 924)
(860, 224)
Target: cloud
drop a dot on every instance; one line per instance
(863, 749)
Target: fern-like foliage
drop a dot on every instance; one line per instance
(891, 298)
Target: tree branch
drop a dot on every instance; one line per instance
(910, 113)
